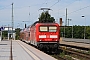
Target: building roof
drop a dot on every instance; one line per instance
(8, 28)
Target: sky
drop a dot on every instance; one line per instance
(28, 11)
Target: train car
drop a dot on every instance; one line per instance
(28, 35)
(45, 36)
(23, 34)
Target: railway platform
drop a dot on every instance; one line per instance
(83, 43)
(21, 51)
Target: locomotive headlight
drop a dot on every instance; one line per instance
(42, 36)
(53, 36)
(40, 40)
(56, 40)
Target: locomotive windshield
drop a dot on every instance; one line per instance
(52, 28)
(48, 28)
(43, 28)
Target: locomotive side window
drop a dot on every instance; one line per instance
(52, 28)
(29, 34)
(43, 28)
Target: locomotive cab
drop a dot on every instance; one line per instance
(48, 36)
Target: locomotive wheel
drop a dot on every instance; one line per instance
(57, 51)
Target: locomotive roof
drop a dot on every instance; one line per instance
(35, 23)
(41, 23)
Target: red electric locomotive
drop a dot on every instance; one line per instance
(45, 36)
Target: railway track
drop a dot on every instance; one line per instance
(77, 53)
(73, 53)
(58, 57)
(69, 54)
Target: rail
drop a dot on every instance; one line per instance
(75, 50)
(78, 47)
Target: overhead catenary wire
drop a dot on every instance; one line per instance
(5, 7)
(65, 7)
(78, 10)
(68, 5)
(54, 4)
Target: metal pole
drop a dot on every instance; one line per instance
(12, 21)
(11, 58)
(84, 28)
(64, 31)
(72, 28)
(65, 23)
(8, 31)
(29, 12)
(66, 18)
(68, 21)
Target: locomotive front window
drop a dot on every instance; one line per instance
(52, 28)
(43, 28)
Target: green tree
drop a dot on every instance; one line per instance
(4, 34)
(78, 31)
(68, 31)
(17, 33)
(88, 32)
(46, 17)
